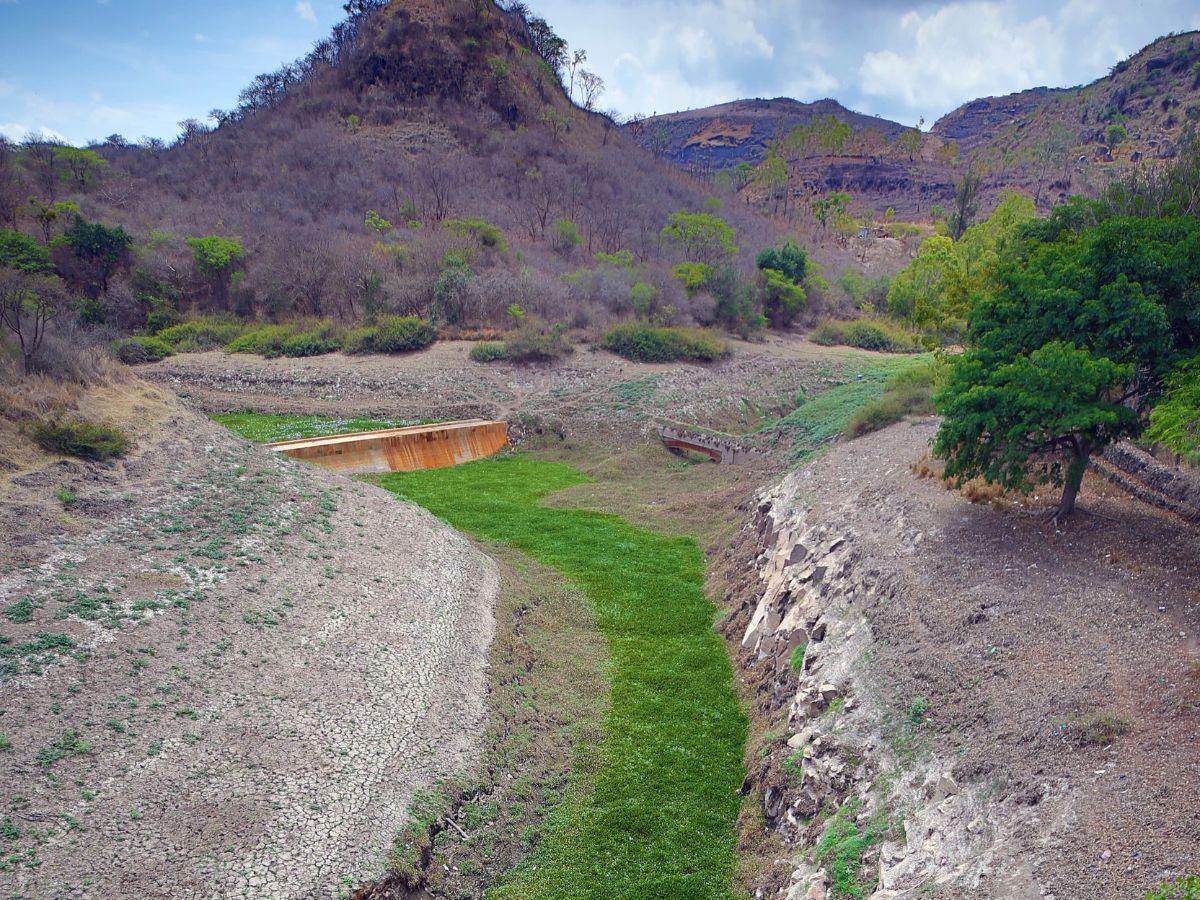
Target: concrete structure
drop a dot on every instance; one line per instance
(401, 449)
(717, 447)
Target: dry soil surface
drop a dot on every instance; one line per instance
(590, 389)
(224, 673)
(1016, 633)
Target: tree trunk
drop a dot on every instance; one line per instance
(1074, 478)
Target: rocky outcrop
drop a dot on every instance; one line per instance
(842, 754)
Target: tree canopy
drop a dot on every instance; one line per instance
(703, 237)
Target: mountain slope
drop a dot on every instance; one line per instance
(1047, 142)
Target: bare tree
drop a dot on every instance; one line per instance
(591, 86)
(27, 305)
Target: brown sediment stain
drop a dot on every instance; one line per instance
(401, 449)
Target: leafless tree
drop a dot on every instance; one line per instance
(28, 303)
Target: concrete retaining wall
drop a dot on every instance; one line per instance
(401, 449)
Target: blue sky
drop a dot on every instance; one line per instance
(84, 69)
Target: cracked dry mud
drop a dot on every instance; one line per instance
(226, 674)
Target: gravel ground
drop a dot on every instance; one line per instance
(223, 673)
(1016, 634)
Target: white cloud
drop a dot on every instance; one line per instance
(17, 131)
(201, 37)
(964, 49)
(304, 9)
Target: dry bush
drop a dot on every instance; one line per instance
(927, 467)
(1099, 729)
(979, 491)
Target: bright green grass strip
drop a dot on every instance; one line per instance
(265, 427)
(659, 820)
(817, 421)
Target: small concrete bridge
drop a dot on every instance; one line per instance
(720, 448)
(401, 449)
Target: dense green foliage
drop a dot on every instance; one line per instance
(658, 820)
(1069, 352)
(788, 260)
(267, 427)
(646, 343)
(99, 250)
(21, 252)
(1175, 422)
(1185, 888)
(781, 275)
(489, 351)
(391, 334)
(702, 237)
(81, 438)
(207, 333)
(141, 349)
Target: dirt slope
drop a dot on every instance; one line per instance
(960, 662)
(224, 674)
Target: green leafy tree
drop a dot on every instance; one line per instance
(21, 252)
(782, 298)
(376, 223)
(830, 207)
(1115, 135)
(703, 237)
(80, 168)
(216, 259)
(788, 259)
(910, 142)
(966, 204)
(99, 249)
(564, 235)
(931, 290)
(1063, 362)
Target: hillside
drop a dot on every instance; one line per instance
(1046, 142)
(727, 134)
(447, 121)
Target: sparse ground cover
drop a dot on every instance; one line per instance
(658, 816)
(221, 673)
(268, 427)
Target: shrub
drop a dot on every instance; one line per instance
(1185, 888)
(1099, 729)
(489, 236)
(391, 334)
(311, 338)
(81, 438)
(136, 350)
(206, 333)
(645, 343)
(489, 351)
(866, 334)
(536, 342)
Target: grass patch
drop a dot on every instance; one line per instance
(204, 333)
(296, 339)
(267, 427)
(907, 393)
(645, 343)
(1099, 729)
(660, 818)
(81, 438)
(824, 417)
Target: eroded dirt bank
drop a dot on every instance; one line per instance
(225, 674)
(997, 708)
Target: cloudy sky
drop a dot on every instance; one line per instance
(84, 69)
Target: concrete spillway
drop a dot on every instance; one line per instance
(401, 449)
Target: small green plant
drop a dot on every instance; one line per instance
(81, 438)
(65, 495)
(797, 661)
(842, 848)
(1185, 888)
(70, 743)
(917, 710)
(793, 766)
(136, 350)
(5, 743)
(1099, 729)
(646, 343)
